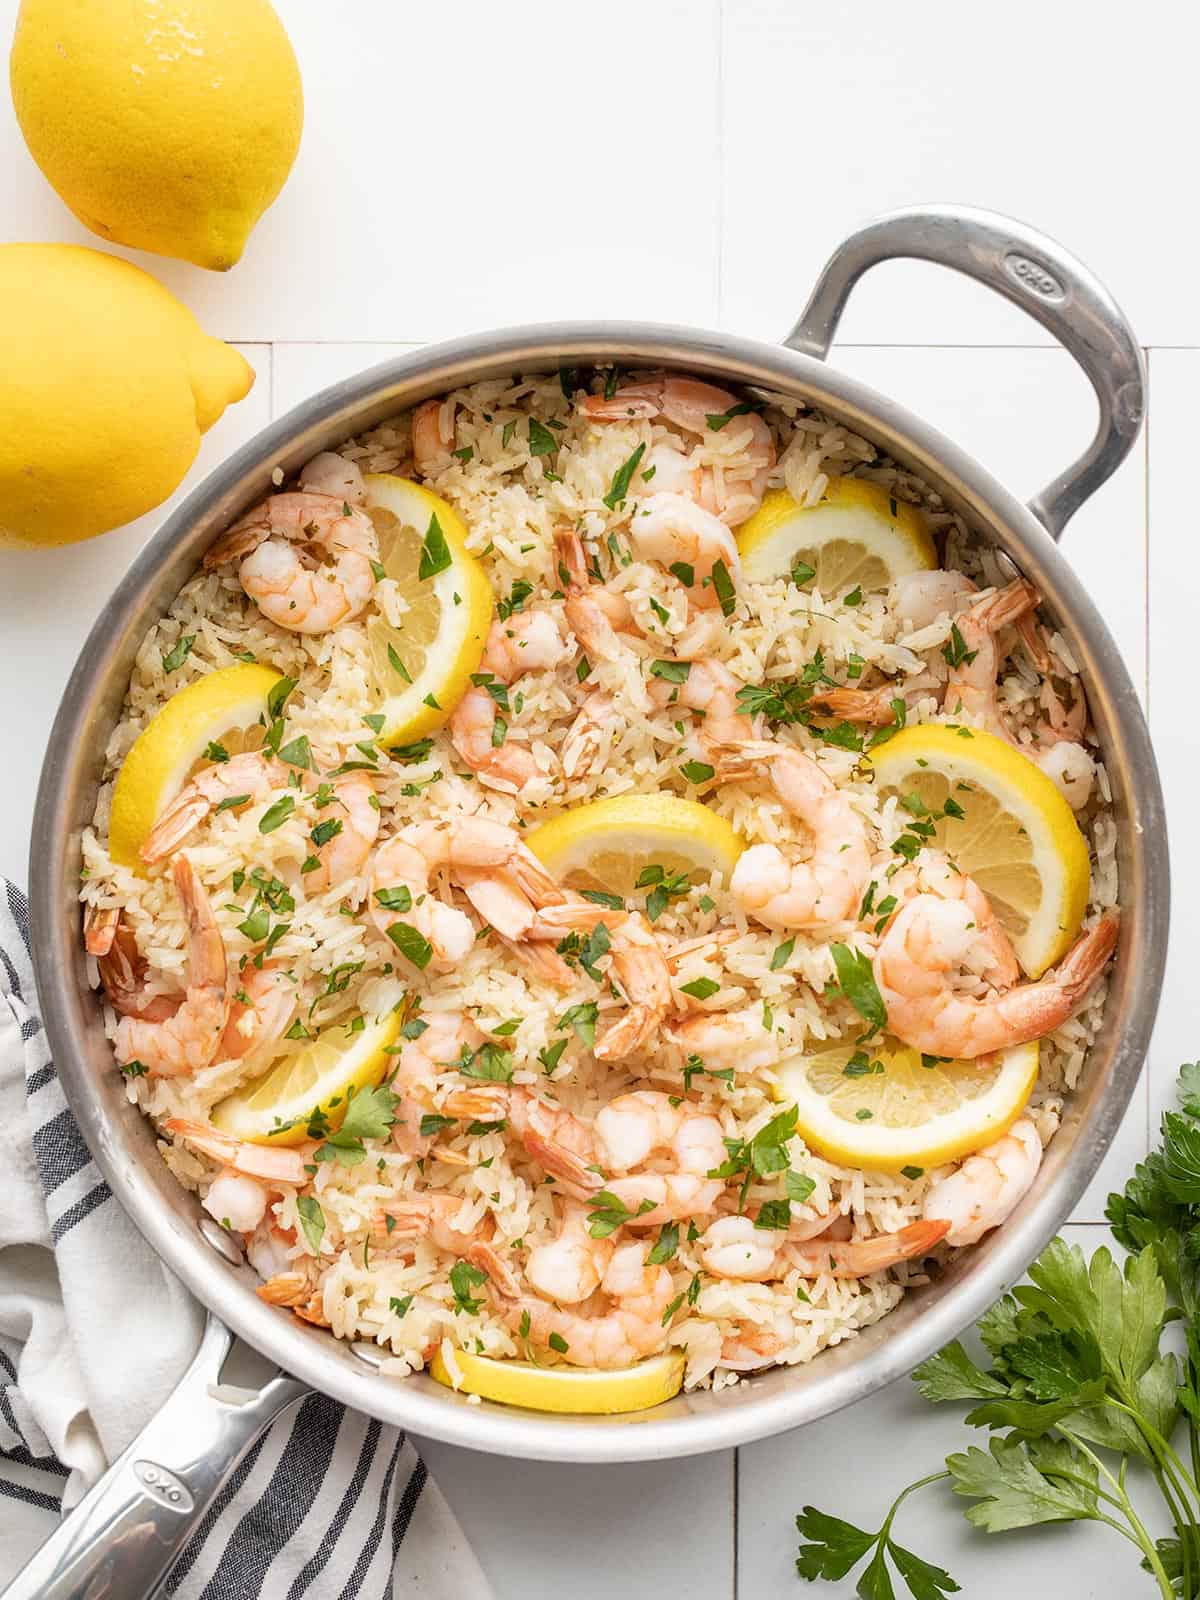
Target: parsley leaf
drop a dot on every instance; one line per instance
(622, 477)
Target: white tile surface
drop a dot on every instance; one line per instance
(647, 1531)
(441, 189)
(854, 1464)
(469, 166)
(1061, 118)
(1174, 599)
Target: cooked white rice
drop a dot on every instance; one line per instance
(512, 504)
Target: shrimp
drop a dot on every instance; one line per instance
(262, 1007)
(731, 492)
(504, 767)
(432, 435)
(331, 474)
(971, 686)
(188, 1039)
(635, 1326)
(632, 1126)
(932, 873)
(711, 689)
(727, 1039)
(601, 620)
(829, 886)
(987, 1188)
(307, 560)
(240, 1193)
(858, 1258)
(754, 1345)
(528, 642)
(434, 1215)
(585, 739)
(876, 707)
(734, 1247)
(441, 1042)
(675, 531)
(354, 808)
(637, 964)
(920, 598)
(122, 968)
(928, 938)
(399, 893)
(501, 877)
(570, 1266)
(244, 778)
(250, 777)
(654, 1198)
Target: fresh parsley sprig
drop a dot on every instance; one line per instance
(1078, 1386)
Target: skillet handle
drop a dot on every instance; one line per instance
(125, 1533)
(1034, 273)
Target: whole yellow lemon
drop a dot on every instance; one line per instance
(108, 384)
(167, 125)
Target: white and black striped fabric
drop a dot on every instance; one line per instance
(94, 1332)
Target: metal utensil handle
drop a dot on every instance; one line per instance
(126, 1531)
(1034, 273)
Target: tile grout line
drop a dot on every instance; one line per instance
(719, 263)
(1147, 1067)
(736, 1498)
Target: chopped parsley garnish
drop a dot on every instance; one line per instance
(312, 1221)
(541, 441)
(723, 588)
(412, 943)
(276, 815)
(622, 477)
(700, 988)
(724, 418)
(463, 1278)
(435, 552)
(856, 979)
(582, 1020)
(663, 886)
(955, 649)
(174, 658)
(671, 671)
(697, 771)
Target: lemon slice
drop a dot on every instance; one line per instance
(577, 1389)
(891, 1112)
(857, 536)
(423, 668)
(1016, 837)
(219, 708)
(605, 845)
(322, 1074)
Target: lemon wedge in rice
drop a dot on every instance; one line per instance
(607, 844)
(565, 1389)
(858, 536)
(221, 708)
(423, 668)
(1016, 835)
(276, 1108)
(887, 1108)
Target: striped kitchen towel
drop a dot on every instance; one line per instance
(95, 1332)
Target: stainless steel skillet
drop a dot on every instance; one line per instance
(126, 1532)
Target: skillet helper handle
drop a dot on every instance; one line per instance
(126, 1532)
(1034, 273)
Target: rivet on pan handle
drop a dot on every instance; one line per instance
(126, 1531)
(1034, 273)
